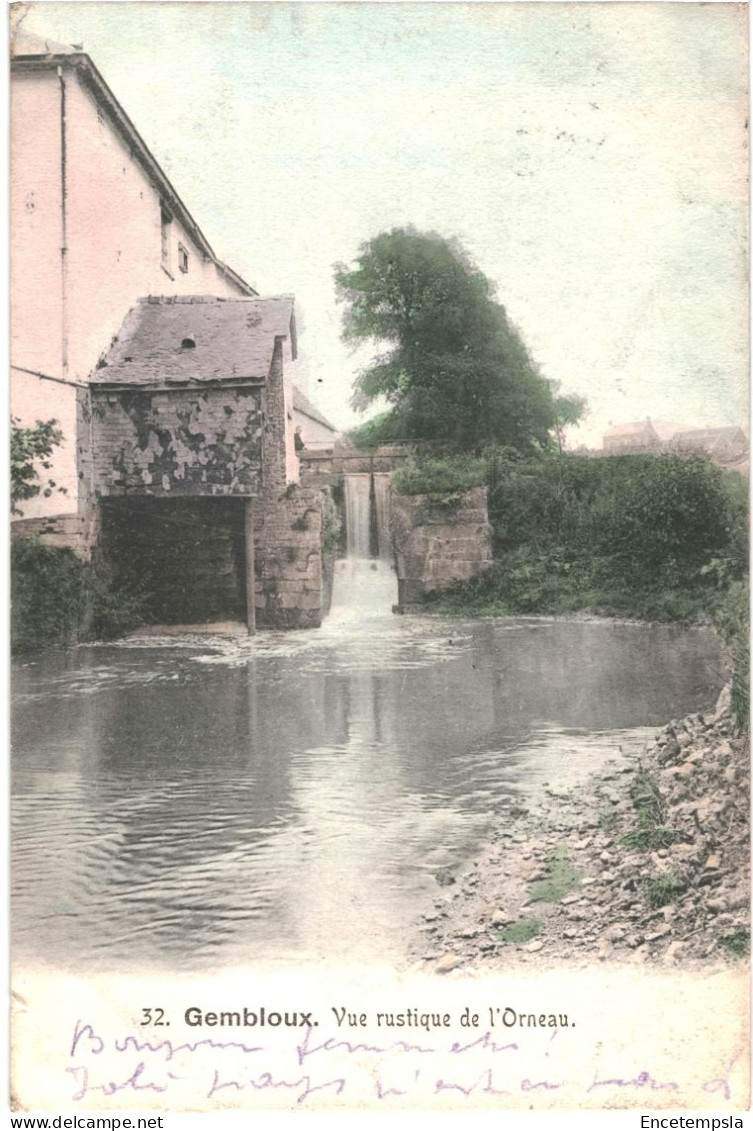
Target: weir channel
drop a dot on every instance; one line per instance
(205, 802)
(367, 515)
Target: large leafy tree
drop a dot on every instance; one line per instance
(451, 366)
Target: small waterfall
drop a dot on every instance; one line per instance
(358, 515)
(382, 506)
(365, 581)
(367, 515)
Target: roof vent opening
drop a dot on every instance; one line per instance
(188, 344)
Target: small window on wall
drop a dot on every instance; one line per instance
(165, 222)
(182, 259)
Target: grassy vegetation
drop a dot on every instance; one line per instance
(331, 524)
(607, 820)
(738, 943)
(647, 799)
(651, 833)
(664, 889)
(519, 933)
(523, 583)
(561, 878)
(58, 599)
(651, 839)
(732, 618)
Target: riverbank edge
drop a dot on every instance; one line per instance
(647, 864)
(585, 616)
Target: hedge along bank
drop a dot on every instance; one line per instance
(660, 536)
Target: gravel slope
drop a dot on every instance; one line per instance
(675, 891)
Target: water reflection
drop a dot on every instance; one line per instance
(291, 796)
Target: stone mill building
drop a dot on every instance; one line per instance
(171, 378)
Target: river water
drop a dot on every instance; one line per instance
(201, 802)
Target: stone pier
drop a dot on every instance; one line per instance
(289, 582)
(439, 539)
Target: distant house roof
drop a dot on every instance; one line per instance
(302, 404)
(32, 53)
(667, 431)
(699, 437)
(195, 339)
(637, 428)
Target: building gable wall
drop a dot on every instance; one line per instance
(115, 235)
(36, 235)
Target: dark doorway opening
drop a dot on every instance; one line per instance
(186, 556)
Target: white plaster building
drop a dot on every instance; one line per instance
(96, 226)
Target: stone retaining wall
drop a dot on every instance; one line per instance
(439, 539)
(66, 531)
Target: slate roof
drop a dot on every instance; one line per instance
(234, 340)
(302, 404)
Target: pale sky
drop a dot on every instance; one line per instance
(591, 157)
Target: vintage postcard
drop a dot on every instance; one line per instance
(379, 464)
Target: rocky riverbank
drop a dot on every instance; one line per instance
(649, 863)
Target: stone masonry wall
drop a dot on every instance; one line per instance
(273, 439)
(196, 442)
(288, 560)
(438, 540)
(77, 532)
(287, 528)
(326, 467)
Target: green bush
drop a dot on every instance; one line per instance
(544, 502)
(644, 519)
(440, 474)
(385, 428)
(331, 524)
(670, 518)
(655, 536)
(58, 599)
